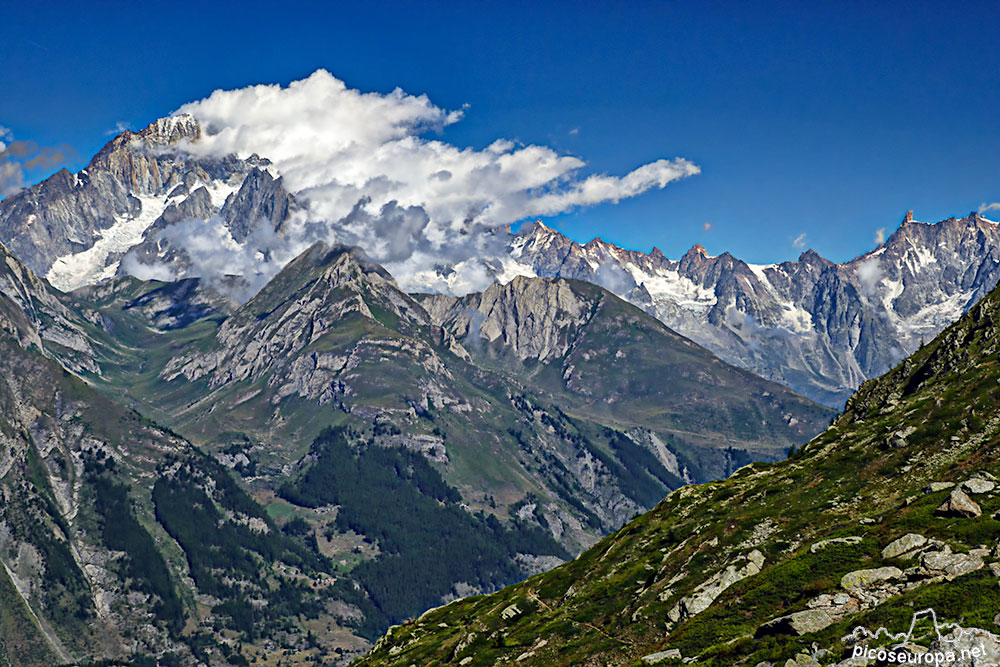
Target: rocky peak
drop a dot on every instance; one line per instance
(812, 258)
(260, 199)
(532, 317)
(537, 229)
(171, 130)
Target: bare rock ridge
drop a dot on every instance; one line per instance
(75, 229)
(818, 327)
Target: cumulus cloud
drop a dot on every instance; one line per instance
(612, 277)
(986, 208)
(11, 173)
(375, 172)
(880, 236)
(799, 241)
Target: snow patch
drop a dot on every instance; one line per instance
(91, 266)
(672, 286)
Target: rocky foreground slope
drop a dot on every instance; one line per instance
(892, 511)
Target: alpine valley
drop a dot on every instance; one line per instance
(194, 478)
(209, 465)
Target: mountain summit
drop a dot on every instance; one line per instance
(818, 327)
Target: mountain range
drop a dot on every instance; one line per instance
(818, 327)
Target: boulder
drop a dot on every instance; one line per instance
(799, 623)
(959, 504)
(905, 544)
(952, 565)
(862, 579)
(657, 658)
(934, 487)
(977, 485)
(823, 544)
(705, 595)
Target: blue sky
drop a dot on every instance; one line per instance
(823, 119)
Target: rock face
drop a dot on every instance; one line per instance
(574, 339)
(818, 327)
(905, 544)
(960, 504)
(75, 229)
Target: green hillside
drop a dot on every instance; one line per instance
(754, 569)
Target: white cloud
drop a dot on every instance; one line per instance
(986, 208)
(880, 236)
(869, 274)
(352, 154)
(575, 131)
(120, 126)
(799, 241)
(707, 226)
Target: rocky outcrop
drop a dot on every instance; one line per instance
(705, 594)
(959, 504)
(904, 545)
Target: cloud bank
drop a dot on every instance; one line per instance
(375, 173)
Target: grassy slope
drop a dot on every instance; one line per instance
(609, 606)
(625, 368)
(22, 643)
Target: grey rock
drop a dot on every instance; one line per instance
(798, 623)
(903, 545)
(706, 594)
(959, 504)
(934, 487)
(977, 485)
(864, 579)
(951, 564)
(823, 544)
(661, 656)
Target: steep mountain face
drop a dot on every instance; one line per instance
(103, 519)
(818, 327)
(889, 513)
(611, 361)
(74, 229)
